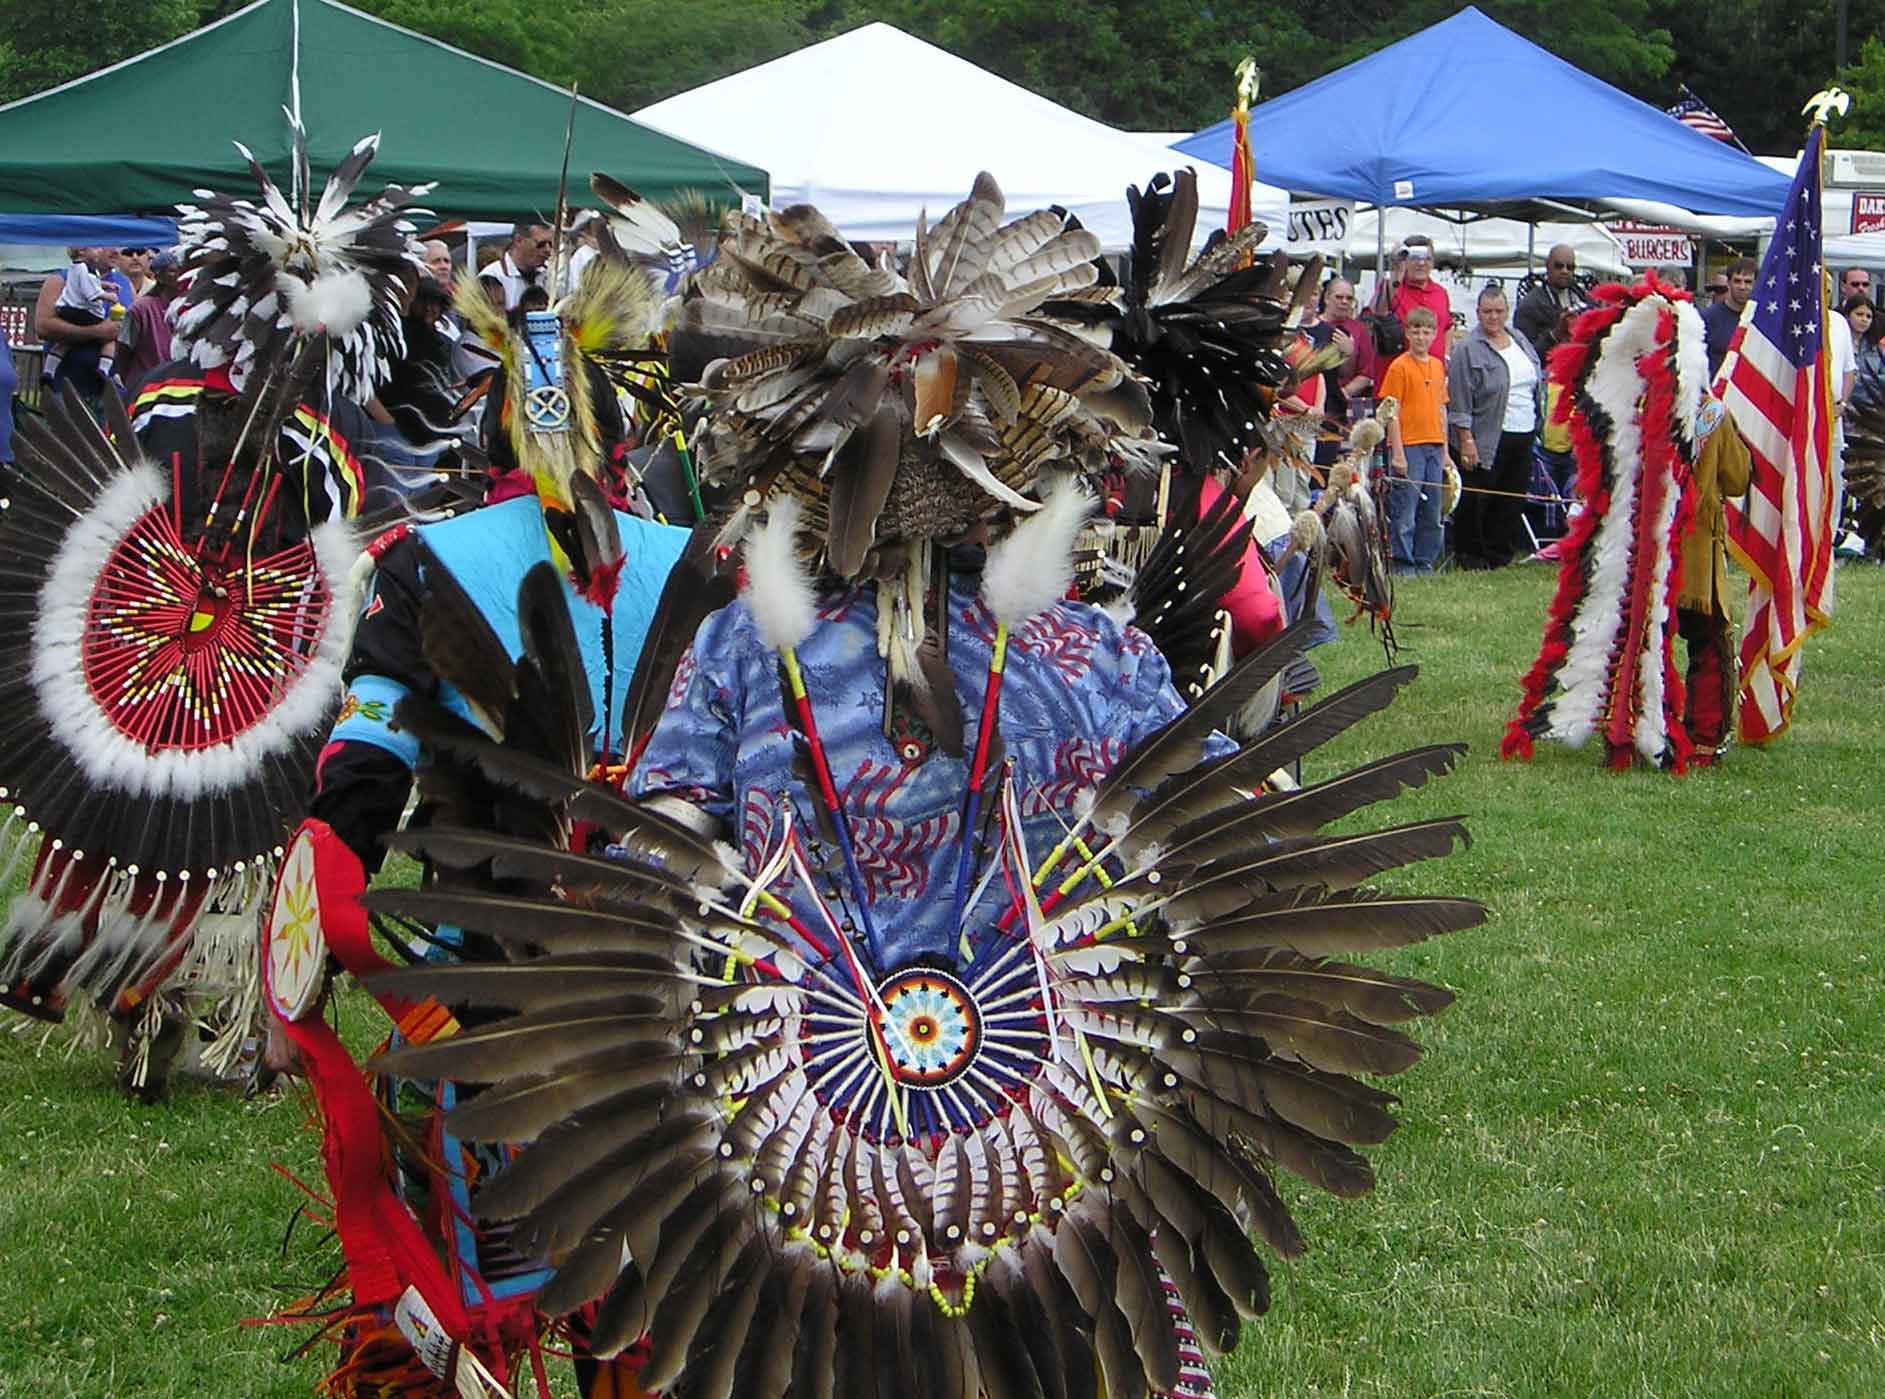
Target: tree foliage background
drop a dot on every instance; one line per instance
(1159, 65)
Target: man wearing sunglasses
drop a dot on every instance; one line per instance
(521, 267)
(135, 264)
(1545, 313)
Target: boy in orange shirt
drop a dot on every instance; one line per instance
(1417, 446)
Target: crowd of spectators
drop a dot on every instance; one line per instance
(105, 318)
(1513, 458)
(1474, 401)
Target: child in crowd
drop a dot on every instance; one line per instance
(1417, 445)
(88, 299)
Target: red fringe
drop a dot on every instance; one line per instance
(1570, 367)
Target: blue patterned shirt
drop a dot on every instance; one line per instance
(1077, 692)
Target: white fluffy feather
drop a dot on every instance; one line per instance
(1652, 732)
(1691, 366)
(1031, 570)
(778, 589)
(337, 302)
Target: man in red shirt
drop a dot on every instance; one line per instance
(1416, 287)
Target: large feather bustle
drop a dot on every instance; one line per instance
(268, 273)
(690, 1172)
(121, 842)
(915, 407)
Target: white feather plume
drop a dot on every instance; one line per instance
(336, 302)
(1031, 570)
(1691, 367)
(1615, 385)
(778, 589)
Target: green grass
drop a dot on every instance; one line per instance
(1642, 1158)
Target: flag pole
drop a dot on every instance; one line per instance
(1776, 385)
(1242, 165)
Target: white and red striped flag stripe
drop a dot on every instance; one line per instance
(1776, 386)
(1697, 115)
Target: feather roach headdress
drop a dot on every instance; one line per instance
(269, 277)
(1206, 336)
(902, 407)
(1634, 374)
(553, 411)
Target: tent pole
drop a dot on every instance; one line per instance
(1531, 248)
(1380, 247)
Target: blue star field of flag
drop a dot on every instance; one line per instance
(1788, 305)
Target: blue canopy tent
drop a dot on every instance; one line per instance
(88, 230)
(1467, 114)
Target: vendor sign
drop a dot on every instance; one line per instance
(1320, 226)
(1653, 245)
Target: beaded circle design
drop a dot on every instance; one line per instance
(932, 1027)
(182, 652)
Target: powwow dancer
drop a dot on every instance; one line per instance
(178, 613)
(525, 620)
(964, 1068)
(1635, 381)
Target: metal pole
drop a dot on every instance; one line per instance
(1531, 248)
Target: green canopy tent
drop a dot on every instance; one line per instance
(141, 135)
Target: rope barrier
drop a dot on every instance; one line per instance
(1563, 500)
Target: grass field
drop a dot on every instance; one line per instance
(1645, 1155)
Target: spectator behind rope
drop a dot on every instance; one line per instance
(1868, 388)
(1495, 395)
(1355, 377)
(1417, 453)
(75, 324)
(1721, 318)
(1545, 313)
(1416, 287)
(148, 328)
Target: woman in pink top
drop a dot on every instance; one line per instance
(1256, 613)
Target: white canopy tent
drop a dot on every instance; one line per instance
(1486, 246)
(835, 124)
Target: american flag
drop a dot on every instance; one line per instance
(1776, 385)
(1697, 115)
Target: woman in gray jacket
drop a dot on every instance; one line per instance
(1495, 406)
